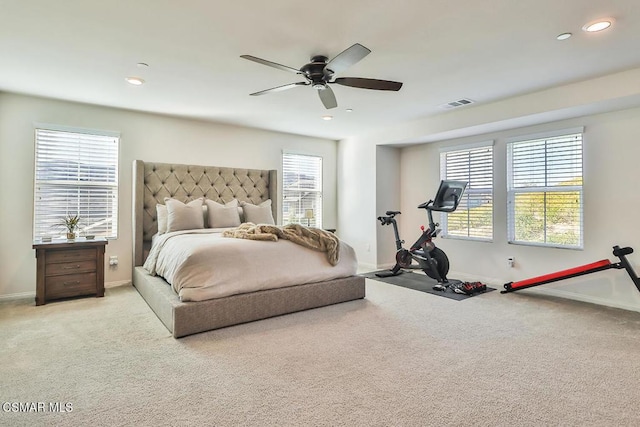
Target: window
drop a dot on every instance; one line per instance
(473, 219)
(76, 173)
(302, 189)
(544, 179)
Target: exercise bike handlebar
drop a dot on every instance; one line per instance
(425, 205)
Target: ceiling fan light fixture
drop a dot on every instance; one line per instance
(319, 86)
(598, 25)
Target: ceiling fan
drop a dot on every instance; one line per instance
(319, 74)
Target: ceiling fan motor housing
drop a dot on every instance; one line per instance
(316, 72)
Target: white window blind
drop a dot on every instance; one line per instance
(544, 179)
(473, 219)
(76, 174)
(302, 189)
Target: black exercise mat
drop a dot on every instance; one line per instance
(422, 283)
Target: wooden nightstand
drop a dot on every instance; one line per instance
(69, 269)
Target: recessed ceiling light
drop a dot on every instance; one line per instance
(327, 117)
(563, 36)
(136, 81)
(598, 25)
(349, 110)
(137, 76)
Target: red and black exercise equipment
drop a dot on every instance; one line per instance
(601, 265)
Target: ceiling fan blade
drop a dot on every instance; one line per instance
(347, 58)
(368, 83)
(280, 88)
(328, 98)
(271, 64)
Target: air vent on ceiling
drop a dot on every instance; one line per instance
(455, 104)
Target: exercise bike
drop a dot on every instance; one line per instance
(423, 254)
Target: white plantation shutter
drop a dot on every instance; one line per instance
(473, 219)
(302, 189)
(544, 179)
(76, 173)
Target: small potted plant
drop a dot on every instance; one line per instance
(71, 224)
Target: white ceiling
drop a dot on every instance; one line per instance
(442, 50)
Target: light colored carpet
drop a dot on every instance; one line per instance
(398, 358)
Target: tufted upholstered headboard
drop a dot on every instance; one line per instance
(152, 182)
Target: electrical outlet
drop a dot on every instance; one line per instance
(113, 260)
(510, 262)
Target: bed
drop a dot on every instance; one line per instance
(152, 183)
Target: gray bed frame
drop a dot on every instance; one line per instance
(152, 182)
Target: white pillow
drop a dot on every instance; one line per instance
(184, 217)
(260, 214)
(161, 216)
(221, 216)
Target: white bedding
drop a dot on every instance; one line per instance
(201, 264)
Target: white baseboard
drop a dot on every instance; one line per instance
(20, 295)
(117, 283)
(366, 266)
(584, 298)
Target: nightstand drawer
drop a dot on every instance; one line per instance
(70, 255)
(75, 267)
(70, 285)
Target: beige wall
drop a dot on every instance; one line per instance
(607, 106)
(143, 136)
(365, 173)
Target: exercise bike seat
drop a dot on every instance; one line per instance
(392, 213)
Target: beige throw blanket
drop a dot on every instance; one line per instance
(312, 238)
